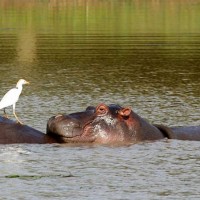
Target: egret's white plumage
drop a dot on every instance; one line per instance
(12, 96)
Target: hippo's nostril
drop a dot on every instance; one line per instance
(59, 115)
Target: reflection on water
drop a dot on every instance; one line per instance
(102, 17)
(78, 53)
(152, 73)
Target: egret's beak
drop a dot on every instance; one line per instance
(27, 82)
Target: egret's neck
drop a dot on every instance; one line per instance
(19, 87)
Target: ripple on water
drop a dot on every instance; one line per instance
(155, 170)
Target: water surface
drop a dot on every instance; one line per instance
(144, 54)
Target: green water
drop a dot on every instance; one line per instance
(75, 53)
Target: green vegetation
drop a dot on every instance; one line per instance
(103, 17)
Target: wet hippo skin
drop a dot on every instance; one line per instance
(12, 132)
(103, 124)
(113, 124)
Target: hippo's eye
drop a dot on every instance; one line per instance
(101, 110)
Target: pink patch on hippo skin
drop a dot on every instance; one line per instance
(88, 130)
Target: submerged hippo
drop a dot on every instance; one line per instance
(12, 132)
(112, 124)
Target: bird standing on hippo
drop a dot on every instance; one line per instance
(11, 98)
(103, 124)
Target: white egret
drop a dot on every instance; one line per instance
(12, 96)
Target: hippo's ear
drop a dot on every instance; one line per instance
(125, 112)
(102, 109)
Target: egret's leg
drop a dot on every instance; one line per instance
(16, 115)
(5, 114)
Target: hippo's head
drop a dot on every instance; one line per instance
(102, 124)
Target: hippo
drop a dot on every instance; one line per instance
(12, 132)
(104, 124)
(112, 124)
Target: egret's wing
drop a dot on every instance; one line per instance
(9, 98)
